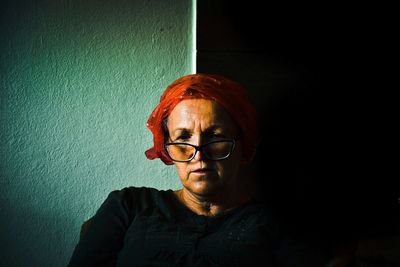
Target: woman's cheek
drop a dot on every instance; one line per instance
(182, 170)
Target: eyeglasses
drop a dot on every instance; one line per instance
(215, 150)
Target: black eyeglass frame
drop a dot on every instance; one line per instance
(200, 148)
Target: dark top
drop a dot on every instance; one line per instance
(150, 227)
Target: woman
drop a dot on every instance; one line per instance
(205, 126)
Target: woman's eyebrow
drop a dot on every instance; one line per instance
(182, 131)
(215, 127)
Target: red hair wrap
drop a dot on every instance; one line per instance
(229, 94)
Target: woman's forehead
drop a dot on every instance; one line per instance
(191, 111)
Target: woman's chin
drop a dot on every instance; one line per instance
(205, 188)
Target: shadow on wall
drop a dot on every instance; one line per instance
(314, 170)
(309, 70)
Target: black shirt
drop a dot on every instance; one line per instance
(150, 227)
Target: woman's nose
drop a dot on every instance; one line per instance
(198, 156)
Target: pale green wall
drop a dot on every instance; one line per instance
(78, 81)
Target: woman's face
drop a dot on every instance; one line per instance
(197, 122)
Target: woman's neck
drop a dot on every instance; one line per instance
(209, 206)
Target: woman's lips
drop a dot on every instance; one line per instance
(204, 171)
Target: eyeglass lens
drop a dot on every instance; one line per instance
(213, 151)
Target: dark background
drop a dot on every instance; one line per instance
(317, 75)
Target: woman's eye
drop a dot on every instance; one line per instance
(217, 136)
(183, 137)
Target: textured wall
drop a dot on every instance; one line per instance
(78, 81)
